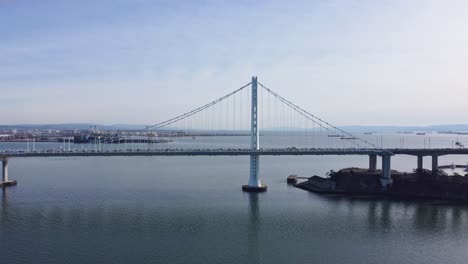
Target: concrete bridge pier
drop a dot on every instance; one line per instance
(435, 165)
(420, 164)
(386, 178)
(254, 182)
(372, 163)
(5, 181)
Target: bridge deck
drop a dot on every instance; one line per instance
(237, 152)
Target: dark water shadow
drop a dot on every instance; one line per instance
(253, 255)
(385, 214)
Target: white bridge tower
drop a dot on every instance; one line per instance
(254, 182)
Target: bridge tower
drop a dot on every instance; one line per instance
(254, 181)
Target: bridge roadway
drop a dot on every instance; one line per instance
(385, 179)
(237, 152)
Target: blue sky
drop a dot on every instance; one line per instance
(138, 61)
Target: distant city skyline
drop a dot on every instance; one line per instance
(141, 62)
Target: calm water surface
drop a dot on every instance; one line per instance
(192, 210)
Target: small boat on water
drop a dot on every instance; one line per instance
(420, 134)
(335, 135)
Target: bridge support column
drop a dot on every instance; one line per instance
(254, 182)
(5, 181)
(372, 163)
(420, 164)
(435, 165)
(386, 178)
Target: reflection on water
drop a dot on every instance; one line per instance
(197, 232)
(4, 212)
(191, 210)
(386, 215)
(4, 198)
(253, 226)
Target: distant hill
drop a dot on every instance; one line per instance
(433, 128)
(71, 126)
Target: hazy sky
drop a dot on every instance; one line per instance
(142, 61)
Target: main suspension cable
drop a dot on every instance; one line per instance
(310, 116)
(197, 110)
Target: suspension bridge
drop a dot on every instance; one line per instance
(259, 122)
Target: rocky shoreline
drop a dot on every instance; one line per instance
(415, 185)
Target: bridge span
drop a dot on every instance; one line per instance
(372, 153)
(237, 152)
(268, 111)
